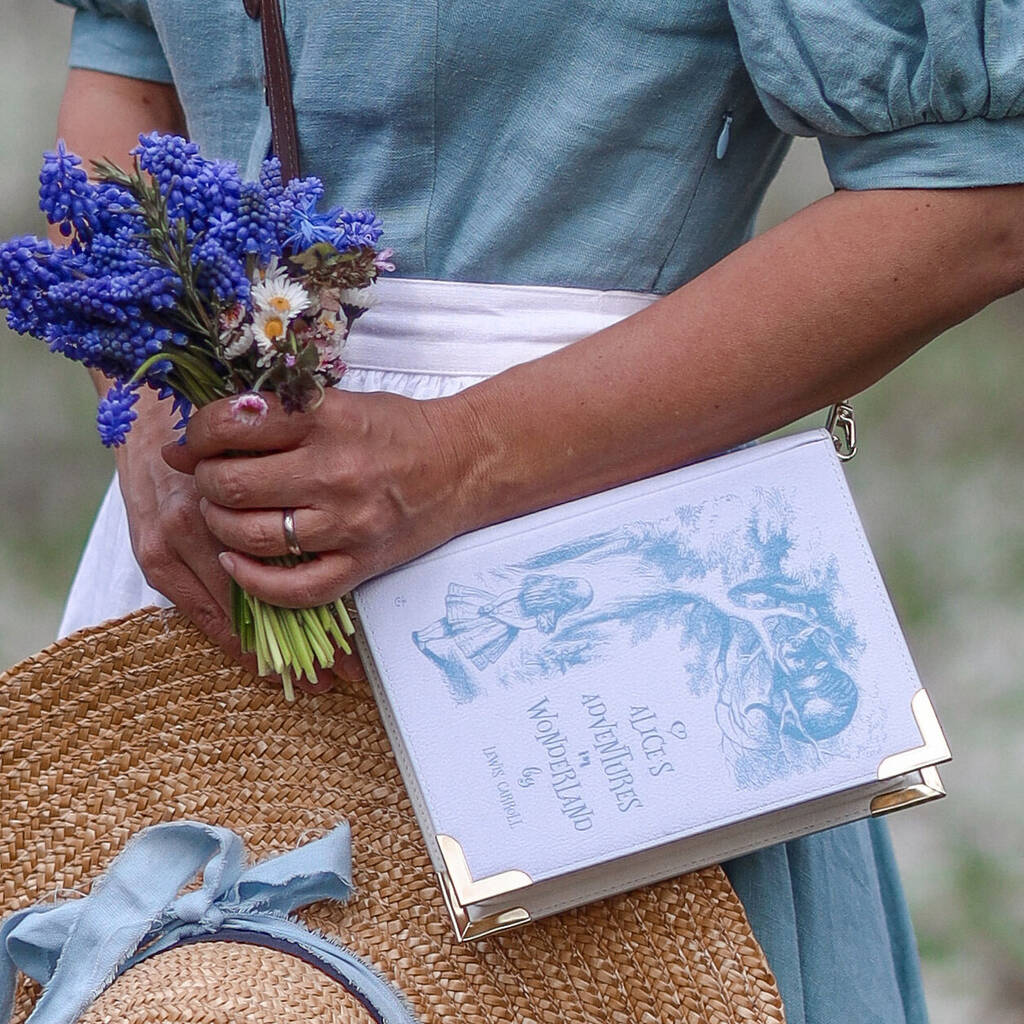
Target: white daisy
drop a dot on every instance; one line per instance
(328, 333)
(279, 295)
(232, 317)
(361, 298)
(269, 329)
(329, 328)
(271, 272)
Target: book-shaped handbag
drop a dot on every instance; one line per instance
(646, 681)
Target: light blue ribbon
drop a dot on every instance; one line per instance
(76, 949)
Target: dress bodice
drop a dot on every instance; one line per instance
(620, 144)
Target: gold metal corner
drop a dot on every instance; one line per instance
(469, 890)
(468, 930)
(929, 788)
(461, 890)
(932, 751)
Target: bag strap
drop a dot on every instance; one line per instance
(283, 131)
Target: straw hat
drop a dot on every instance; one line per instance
(142, 721)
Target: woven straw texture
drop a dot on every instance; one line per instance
(226, 983)
(142, 720)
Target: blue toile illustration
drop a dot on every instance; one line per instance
(750, 619)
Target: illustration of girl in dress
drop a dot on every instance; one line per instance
(480, 626)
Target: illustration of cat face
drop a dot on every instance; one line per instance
(823, 702)
(813, 698)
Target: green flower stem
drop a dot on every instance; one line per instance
(243, 619)
(259, 646)
(290, 642)
(276, 660)
(328, 623)
(199, 382)
(318, 639)
(346, 623)
(296, 643)
(331, 626)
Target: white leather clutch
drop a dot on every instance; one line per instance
(645, 681)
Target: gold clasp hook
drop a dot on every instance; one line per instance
(843, 428)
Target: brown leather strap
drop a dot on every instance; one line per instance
(283, 130)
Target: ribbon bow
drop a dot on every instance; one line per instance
(76, 949)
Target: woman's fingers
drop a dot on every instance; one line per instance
(196, 550)
(260, 532)
(319, 581)
(349, 667)
(217, 428)
(278, 480)
(202, 602)
(200, 590)
(326, 679)
(370, 483)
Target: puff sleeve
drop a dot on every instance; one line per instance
(116, 36)
(900, 93)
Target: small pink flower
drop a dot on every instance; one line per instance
(334, 369)
(250, 408)
(382, 260)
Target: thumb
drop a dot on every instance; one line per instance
(178, 457)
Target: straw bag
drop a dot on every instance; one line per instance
(142, 721)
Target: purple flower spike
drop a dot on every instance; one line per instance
(65, 194)
(115, 415)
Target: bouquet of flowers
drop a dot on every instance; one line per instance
(180, 276)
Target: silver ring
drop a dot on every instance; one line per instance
(288, 523)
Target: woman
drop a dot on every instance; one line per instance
(620, 147)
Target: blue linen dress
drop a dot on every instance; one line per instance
(620, 144)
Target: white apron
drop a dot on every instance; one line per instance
(424, 339)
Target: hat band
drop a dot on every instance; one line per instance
(76, 949)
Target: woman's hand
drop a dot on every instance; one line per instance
(373, 481)
(176, 551)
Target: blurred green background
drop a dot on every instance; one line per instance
(939, 484)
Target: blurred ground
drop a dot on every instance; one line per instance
(939, 484)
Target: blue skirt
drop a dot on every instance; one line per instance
(829, 912)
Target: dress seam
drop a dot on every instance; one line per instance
(709, 152)
(433, 139)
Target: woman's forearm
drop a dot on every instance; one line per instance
(103, 115)
(811, 312)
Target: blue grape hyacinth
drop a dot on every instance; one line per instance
(179, 276)
(157, 257)
(65, 195)
(115, 414)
